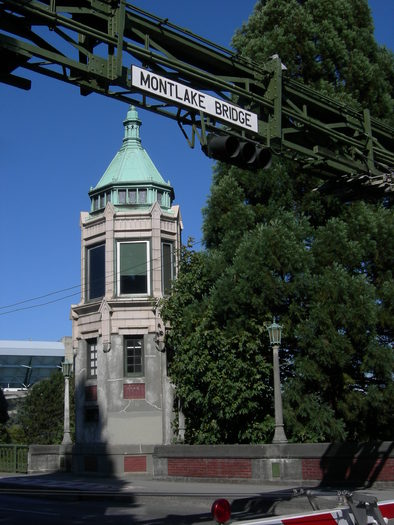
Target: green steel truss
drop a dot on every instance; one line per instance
(93, 43)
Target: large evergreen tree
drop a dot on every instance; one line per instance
(324, 268)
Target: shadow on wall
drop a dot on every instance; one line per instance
(359, 465)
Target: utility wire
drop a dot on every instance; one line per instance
(108, 274)
(39, 304)
(39, 297)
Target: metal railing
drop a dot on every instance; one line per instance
(13, 458)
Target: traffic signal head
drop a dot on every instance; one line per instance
(242, 153)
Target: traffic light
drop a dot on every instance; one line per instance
(242, 153)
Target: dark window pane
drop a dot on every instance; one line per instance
(96, 272)
(167, 266)
(133, 268)
(134, 356)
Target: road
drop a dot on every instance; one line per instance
(18, 510)
(61, 500)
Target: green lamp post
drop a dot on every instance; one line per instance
(275, 335)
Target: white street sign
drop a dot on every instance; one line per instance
(186, 96)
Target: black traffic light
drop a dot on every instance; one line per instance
(230, 149)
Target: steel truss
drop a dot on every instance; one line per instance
(93, 43)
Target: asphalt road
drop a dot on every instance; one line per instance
(18, 510)
(72, 500)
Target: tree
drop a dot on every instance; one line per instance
(322, 267)
(326, 44)
(41, 415)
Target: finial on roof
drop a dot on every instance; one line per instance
(132, 126)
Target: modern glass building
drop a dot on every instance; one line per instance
(23, 363)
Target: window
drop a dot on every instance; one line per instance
(133, 268)
(95, 278)
(121, 196)
(142, 196)
(95, 203)
(134, 356)
(92, 357)
(160, 197)
(167, 265)
(132, 196)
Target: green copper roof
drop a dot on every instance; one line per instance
(132, 164)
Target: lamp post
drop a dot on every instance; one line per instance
(275, 334)
(66, 369)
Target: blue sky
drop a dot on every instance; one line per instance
(55, 145)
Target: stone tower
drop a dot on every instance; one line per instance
(129, 248)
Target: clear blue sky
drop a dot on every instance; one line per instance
(55, 144)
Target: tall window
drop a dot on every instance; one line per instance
(121, 196)
(167, 262)
(142, 196)
(133, 268)
(92, 357)
(95, 278)
(132, 196)
(134, 355)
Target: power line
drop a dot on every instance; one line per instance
(108, 274)
(39, 297)
(38, 305)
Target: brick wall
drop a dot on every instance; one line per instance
(346, 469)
(134, 391)
(360, 464)
(91, 393)
(135, 463)
(210, 467)
(311, 469)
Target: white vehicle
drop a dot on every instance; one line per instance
(355, 510)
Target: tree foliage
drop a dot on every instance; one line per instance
(41, 415)
(322, 267)
(327, 44)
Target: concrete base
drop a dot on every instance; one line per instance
(356, 465)
(49, 458)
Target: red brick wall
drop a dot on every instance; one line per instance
(311, 469)
(387, 472)
(210, 468)
(337, 469)
(91, 393)
(135, 463)
(134, 391)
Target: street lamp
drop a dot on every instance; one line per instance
(66, 369)
(275, 334)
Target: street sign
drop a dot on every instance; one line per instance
(167, 89)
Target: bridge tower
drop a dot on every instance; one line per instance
(130, 241)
